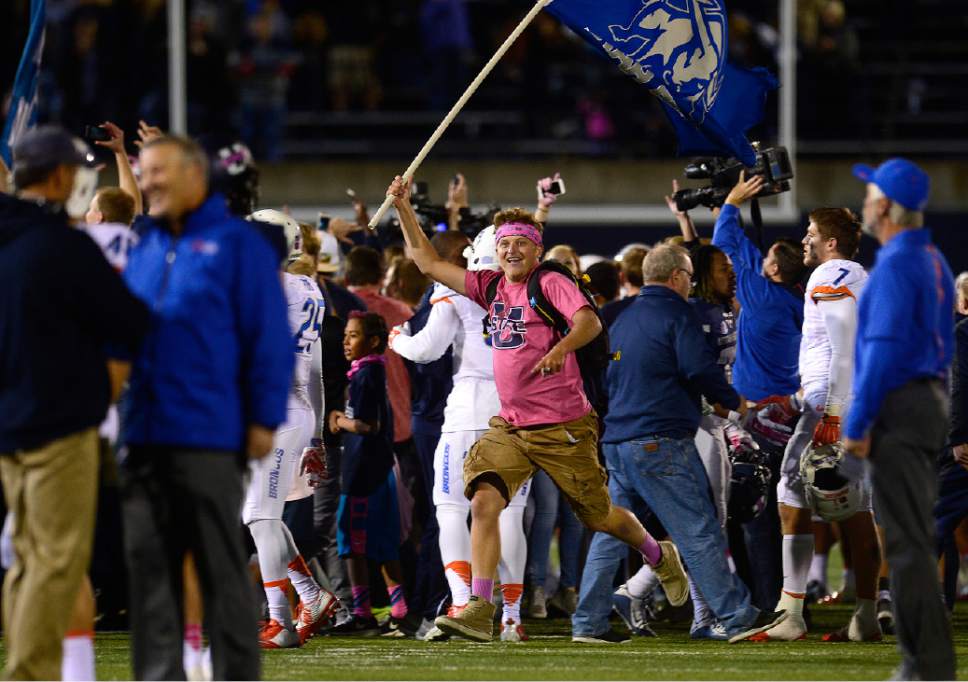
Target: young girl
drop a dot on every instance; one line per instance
(368, 519)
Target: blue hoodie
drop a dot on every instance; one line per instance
(218, 356)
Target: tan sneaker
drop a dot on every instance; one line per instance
(672, 575)
(475, 622)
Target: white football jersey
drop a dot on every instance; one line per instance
(306, 309)
(834, 282)
(455, 321)
(116, 241)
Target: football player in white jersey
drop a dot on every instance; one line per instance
(826, 367)
(274, 476)
(456, 321)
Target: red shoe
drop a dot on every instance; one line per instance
(765, 637)
(454, 611)
(274, 635)
(513, 632)
(312, 617)
(843, 635)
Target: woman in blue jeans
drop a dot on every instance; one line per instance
(550, 509)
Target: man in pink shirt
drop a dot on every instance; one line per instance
(546, 422)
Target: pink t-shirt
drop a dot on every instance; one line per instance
(520, 338)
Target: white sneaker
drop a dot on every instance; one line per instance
(792, 628)
(274, 635)
(435, 634)
(513, 632)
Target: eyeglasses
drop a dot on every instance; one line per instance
(691, 274)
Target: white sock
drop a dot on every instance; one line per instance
(701, 613)
(273, 551)
(298, 571)
(514, 556)
(818, 569)
(797, 555)
(642, 583)
(884, 594)
(455, 549)
(78, 660)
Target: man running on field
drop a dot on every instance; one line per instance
(546, 422)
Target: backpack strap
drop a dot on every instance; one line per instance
(490, 293)
(540, 303)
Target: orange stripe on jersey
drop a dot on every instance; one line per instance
(281, 584)
(825, 293)
(442, 299)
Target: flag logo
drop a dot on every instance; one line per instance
(679, 42)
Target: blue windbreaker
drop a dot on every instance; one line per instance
(770, 320)
(218, 356)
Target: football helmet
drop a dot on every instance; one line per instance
(749, 481)
(289, 226)
(832, 496)
(482, 254)
(234, 173)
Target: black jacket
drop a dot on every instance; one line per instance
(61, 306)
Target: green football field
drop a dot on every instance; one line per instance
(550, 655)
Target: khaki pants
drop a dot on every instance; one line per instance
(52, 493)
(567, 452)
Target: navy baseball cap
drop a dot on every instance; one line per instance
(50, 146)
(902, 181)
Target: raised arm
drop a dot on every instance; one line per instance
(421, 250)
(126, 179)
(728, 235)
(688, 229)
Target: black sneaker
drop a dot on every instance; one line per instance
(358, 626)
(609, 637)
(764, 621)
(401, 627)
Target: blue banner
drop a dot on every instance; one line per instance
(677, 49)
(23, 102)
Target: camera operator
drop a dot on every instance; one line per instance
(767, 354)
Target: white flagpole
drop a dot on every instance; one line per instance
(177, 93)
(452, 114)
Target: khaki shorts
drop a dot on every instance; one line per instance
(567, 452)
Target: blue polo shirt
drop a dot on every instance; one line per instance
(367, 459)
(768, 339)
(905, 324)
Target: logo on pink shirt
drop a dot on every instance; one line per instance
(508, 330)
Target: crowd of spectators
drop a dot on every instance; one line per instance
(253, 64)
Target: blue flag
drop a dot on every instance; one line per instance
(677, 49)
(23, 102)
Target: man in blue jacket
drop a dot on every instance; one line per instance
(767, 358)
(899, 417)
(663, 366)
(55, 327)
(207, 390)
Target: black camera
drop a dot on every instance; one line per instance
(723, 174)
(97, 134)
(435, 217)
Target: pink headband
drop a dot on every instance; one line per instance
(519, 230)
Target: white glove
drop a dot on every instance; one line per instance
(397, 331)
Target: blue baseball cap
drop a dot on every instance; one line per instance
(50, 146)
(902, 181)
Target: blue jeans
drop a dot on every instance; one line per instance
(551, 507)
(605, 555)
(668, 474)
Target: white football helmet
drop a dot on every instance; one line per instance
(482, 254)
(830, 495)
(289, 226)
